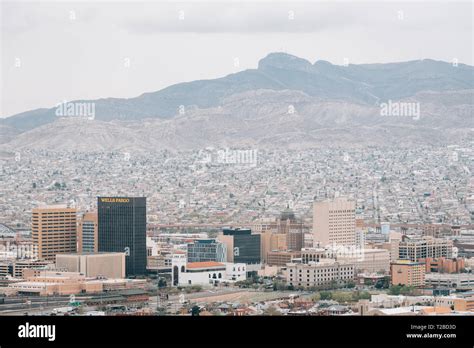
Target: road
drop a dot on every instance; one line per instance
(174, 304)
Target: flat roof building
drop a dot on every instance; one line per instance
(281, 258)
(459, 281)
(409, 273)
(15, 268)
(370, 260)
(54, 231)
(416, 248)
(208, 273)
(103, 264)
(206, 250)
(323, 274)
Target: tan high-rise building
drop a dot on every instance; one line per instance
(334, 222)
(54, 231)
(87, 233)
(286, 225)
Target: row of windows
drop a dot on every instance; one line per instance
(333, 275)
(326, 270)
(311, 284)
(321, 280)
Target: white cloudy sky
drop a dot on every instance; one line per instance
(168, 42)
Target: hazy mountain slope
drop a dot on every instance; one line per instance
(265, 118)
(367, 84)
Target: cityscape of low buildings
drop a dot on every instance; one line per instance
(337, 253)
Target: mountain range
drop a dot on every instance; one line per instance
(286, 101)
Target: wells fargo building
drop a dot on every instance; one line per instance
(122, 228)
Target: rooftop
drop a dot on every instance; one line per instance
(206, 264)
(406, 262)
(91, 253)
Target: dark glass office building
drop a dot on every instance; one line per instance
(122, 228)
(202, 250)
(246, 245)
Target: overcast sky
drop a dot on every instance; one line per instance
(63, 50)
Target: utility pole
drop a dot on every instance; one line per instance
(158, 296)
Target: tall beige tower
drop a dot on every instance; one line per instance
(334, 222)
(54, 231)
(87, 239)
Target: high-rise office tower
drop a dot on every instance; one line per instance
(122, 228)
(54, 231)
(87, 230)
(334, 222)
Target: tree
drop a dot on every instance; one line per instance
(193, 288)
(271, 311)
(379, 284)
(401, 290)
(278, 286)
(161, 283)
(342, 297)
(325, 295)
(195, 310)
(394, 290)
(360, 295)
(161, 311)
(350, 284)
(334, 284)
(407, 290)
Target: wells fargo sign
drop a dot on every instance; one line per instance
(115, 200)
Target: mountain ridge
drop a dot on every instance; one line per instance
(263, 119)
(364, 83)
